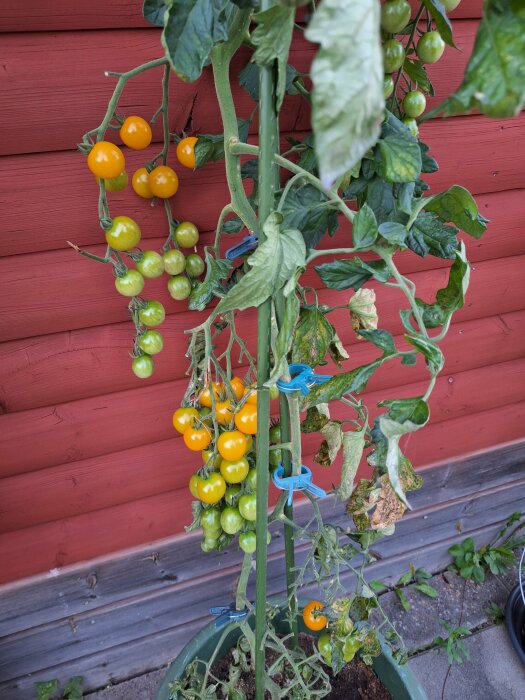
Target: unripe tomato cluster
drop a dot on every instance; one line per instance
(106, 161)
(225, 484)
(341, 635)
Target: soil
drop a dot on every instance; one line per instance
(356, 681)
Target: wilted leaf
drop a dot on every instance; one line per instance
(389, 509)
(217, 271)
(316, 418)
(337, 351)
(381, 339)
(363, 312)
(353, 446)
(331, 444)
(313, 335)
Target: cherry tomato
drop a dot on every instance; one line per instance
(234, 471)
(275, 434)
(163, 182)
(153, 314)
(211, 519)
(251, 479)
(140, 183)
(395, 15)
(232, 494)
(174, 262)
(412, 125)
(151, 265)
(207, 455)
(350, 648)
(274, 393)
(450, 5)
(211, 490)
(393, 55)
(184, 417)
(324, 644)
(311, 617)
(237, 386)
(197, 439)
(194, 482)
(430, 47)
(115, 184)
(186, 152)
(388, 86)
(124, 233)
(205, 395)
(223, 412)
(151, 342)
(142, 366)
(194, 265)
(232, 445)
(186, 234)
(414, 103)
(248, 507)
(248, 542)
(251, 395)
(106, 160)
(179, 287)
(231, 520)
(131, 284)
(275, 457)
(208, 544)
(249, 443)
(246, 419)
(136, 133)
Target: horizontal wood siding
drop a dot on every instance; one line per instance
(89, 462)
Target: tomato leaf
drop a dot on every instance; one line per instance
(398, 151)
(415, 69)
(494, 79)
(364, 228)
(217, 271)
(352, 274)
(337, 351)
(381, 339)
(432, 353)
(451, 297)
(191, 29)
(305, 209)
(393, 232)
(333, 439)
(428, 235)
(313, 335)
(45, 690)
(316, 418)
(153, 11)
(346, 382)
(273, 264)
(73, 688)
(210, 147)
(347, 95)
(458, 206)
(353, 446)
(428, 164)
(439, 15)
(380, 198)
(272, 37)
(249, 80)
(285, 337)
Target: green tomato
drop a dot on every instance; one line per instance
(153, 314)
(393, 55)
(232, 494)
(151, 342)
(131, 284)
(123, 234)
(395, 15)
(388, 86)
(194, 265)
(179, 287)
(251, 480)
(430, 47)
(151, 264)
(231, 520)
(274, 457)
(248, 542)
(324, 644)
(234, 471)
(208, 544)
(450, 5)
(414, 103)
(142, 366)
(350, 648)
(275, 434)
(115, 184)
(174, 262)
(211, 518)
(248, 506)
(186, 234)
(412, 125)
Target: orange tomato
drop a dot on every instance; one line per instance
(163, 182)
(246, 419)
(197, 439)
(231, 445)
(237, 386)
(223, 412)
(205, 395)
(106, 160)
(186, 151)
(135, 132)
(311, 617)
(140, 183)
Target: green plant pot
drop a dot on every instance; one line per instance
(399, 680)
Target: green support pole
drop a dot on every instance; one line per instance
(267, 182)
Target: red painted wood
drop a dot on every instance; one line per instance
(35, 549)
(71, 65)
(57, 15)
(92, 484)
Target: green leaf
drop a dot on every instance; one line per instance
(393, 232)
(402, 599)
(304, 209)
(285, 337)
(210, 147)
(381, 339)
(415, 69)
(346, 382)
(380, 198)
(426, 589)
(153, 11)
(428, 164)
(272, 37)
(352, 274)
(439, 15)
(347, 101)
(399, 152)
(216, 272)
(313, 334)
(404, 196)
(451, 297)
(46, 689)
(364, 228)
(273, 264)
(353, 446)
(494, 79)
(233, 225)
(191, 29)
(428, 235)
(377, 586)
(73, 688)
(458, 206)
(433, 355)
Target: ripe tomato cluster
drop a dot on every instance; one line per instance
(106, 161)
(225, 484)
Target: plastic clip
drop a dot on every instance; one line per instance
(228, 613)
(247, 244)
(302, 482)
(303, 378)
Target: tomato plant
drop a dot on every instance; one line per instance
(212, 489)
(184, 418)
(151, 342)
(174, 261)
(246, 419)
(234, 471)
(394, 15)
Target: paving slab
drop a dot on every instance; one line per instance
(141, 688)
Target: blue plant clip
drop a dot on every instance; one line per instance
(228, 613)
(247, 244)
(303, 482)
(303, 378)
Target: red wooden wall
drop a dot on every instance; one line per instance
(89, 462)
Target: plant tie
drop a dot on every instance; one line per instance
(303, 378)
(248, 243)
(300, 482)
(228, 613)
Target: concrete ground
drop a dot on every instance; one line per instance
(492, 671)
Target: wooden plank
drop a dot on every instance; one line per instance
(119, 477)
(77, 588)
(36, 549)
